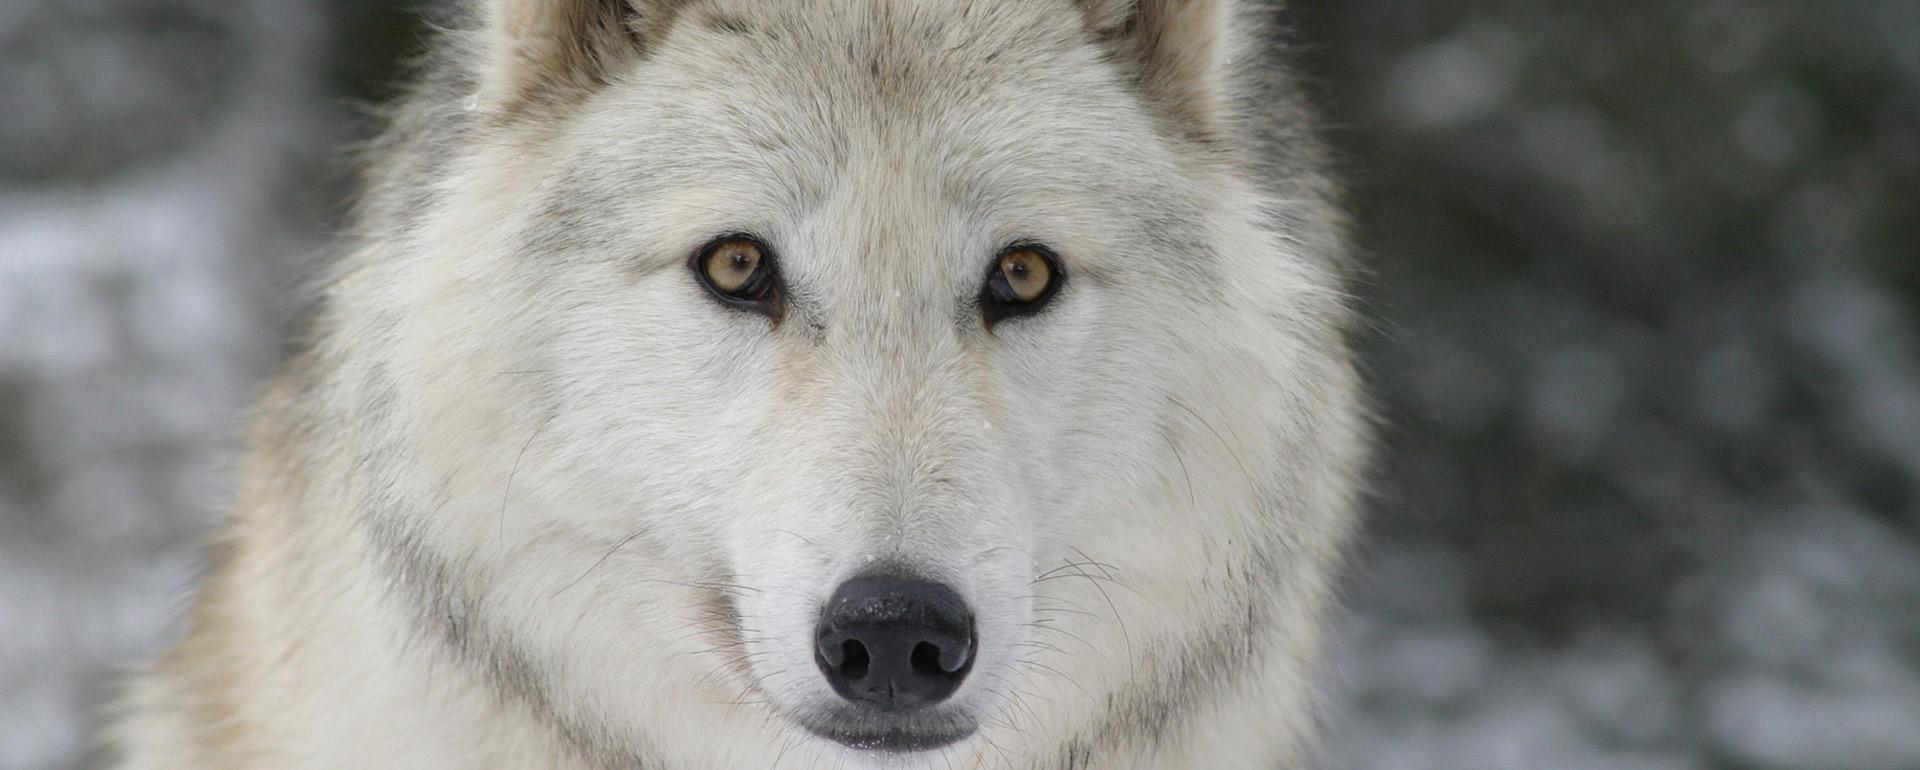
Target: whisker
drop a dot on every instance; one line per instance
(507, 494)
(596, 565)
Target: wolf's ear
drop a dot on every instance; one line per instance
(551, 52)
(1176, 51)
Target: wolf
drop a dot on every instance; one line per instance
(794, 384)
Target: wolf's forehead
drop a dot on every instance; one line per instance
(889, 63)
(956, 91)
(921, 28)
(882, 124)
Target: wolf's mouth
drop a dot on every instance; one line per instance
(897, 739)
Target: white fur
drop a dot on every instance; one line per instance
(527, 384)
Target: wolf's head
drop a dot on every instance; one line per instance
(873, 381)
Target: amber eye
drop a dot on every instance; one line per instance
(739, 271)
(1023, 278)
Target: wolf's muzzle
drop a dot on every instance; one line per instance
(895, 644)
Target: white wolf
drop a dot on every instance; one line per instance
(800, 383)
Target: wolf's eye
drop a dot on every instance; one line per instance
(739, 271)
(1023, 278)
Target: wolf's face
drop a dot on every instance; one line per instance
(863, 374)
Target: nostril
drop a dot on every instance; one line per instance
(941, 660)
(926, 660)
(853, 659)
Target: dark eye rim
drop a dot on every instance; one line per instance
(763, 292)
(996, 297)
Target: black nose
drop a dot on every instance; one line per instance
(894, 643)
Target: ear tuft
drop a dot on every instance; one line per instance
(1177, 53)
(551, 52)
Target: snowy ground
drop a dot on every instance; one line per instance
(1645, 290)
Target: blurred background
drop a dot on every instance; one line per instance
(1642, 278)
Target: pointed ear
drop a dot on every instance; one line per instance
(553, 52)
(1176, 51)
